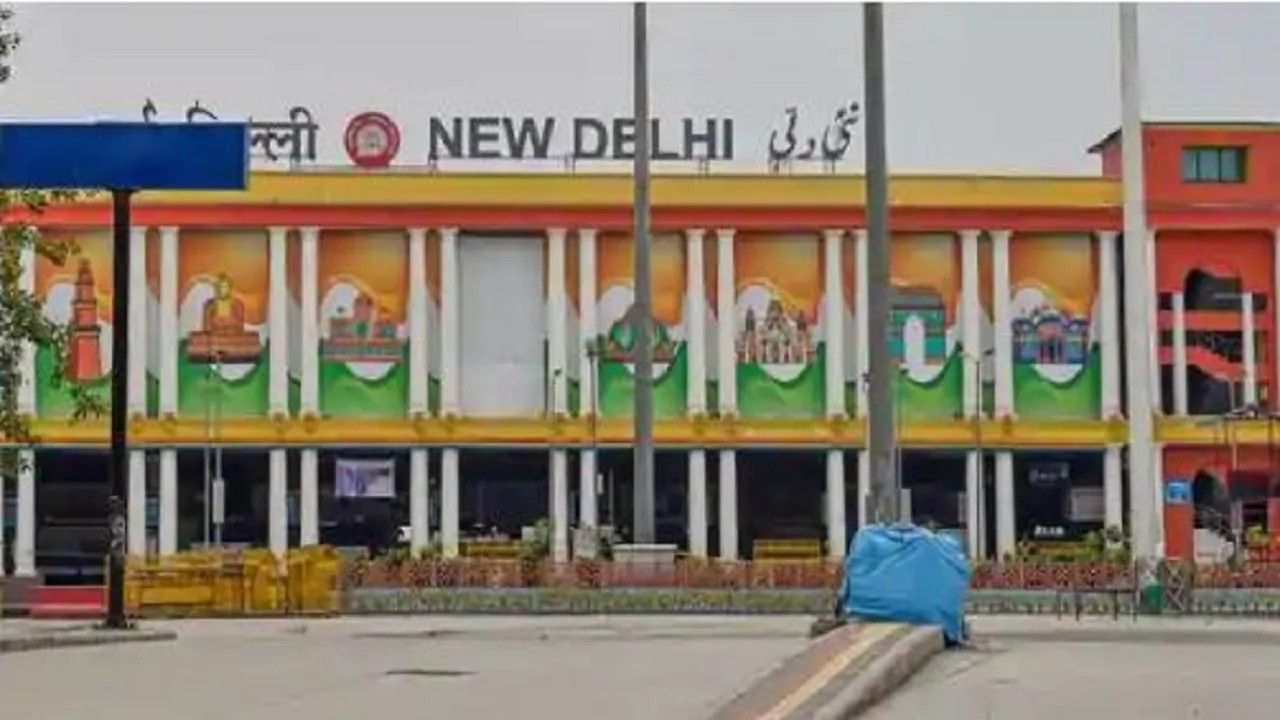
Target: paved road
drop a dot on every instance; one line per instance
(1163, 670)
(457, 668)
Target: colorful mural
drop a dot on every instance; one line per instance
(1057, 368)
(363, 290)
(924, 329)
(616, 319)
(223, 279)
(778, 333)
(77, 294)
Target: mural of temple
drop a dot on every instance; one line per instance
(925, 305)
(1049, 337)
(779, 338)
(620, 341)
(366, 335)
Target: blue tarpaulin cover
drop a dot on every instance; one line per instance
(904, 573)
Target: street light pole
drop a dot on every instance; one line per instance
(643, 484)
(885, 483)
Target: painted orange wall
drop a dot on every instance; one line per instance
(1163, 159)
(1248, 254)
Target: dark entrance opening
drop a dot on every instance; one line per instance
(780, 496)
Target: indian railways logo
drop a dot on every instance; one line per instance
(372, 140)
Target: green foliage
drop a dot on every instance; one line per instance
(22, 320)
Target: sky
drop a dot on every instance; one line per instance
(992, 88)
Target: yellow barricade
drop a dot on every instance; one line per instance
(233, 583)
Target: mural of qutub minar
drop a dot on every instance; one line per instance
(84, 344)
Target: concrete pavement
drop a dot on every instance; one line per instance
(1063, 670)
(566, 668)
(25, 636)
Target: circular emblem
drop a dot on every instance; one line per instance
(372, 140)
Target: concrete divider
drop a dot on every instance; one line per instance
(837, 675)
(893, 666)
(77, 637)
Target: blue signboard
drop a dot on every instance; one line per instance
(1177, 492)
(124, 155)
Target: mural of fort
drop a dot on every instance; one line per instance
(366, 335)
(925, 305)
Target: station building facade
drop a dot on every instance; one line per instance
(474, 333)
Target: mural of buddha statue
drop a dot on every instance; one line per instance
(223, 336)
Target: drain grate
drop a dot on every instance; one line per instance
(427, 673)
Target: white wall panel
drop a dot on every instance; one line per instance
(502, 325)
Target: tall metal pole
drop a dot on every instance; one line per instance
(1146, 498)
(885, 483)
(117, 518)
(643, 490)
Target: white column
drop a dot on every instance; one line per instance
(136, 498)
(419, 503)
(419, 495)
(1109, 319)
(1006, 519)
(278, 393)
(309, 498)
(168, 541)
(137, 370)
(557, 339)
(727, 320)
(24, 541)
(1153, 323)
(862, 328)
(696, 292)
(449, 502)
(418, 334)
(559, 487)
(450, 380)
(833, 311)
(309, 266)
(168, 321)
(1157, 477)
(728, 505)
(309, 395)
(27, 388)
(588, 486)
(1248, 350)
(1112, 488)
(971, 317)
(698, 503)
(1002, 318)
(1179, 354)
(24, 530)
(277, 503)
(864, 486)
(278, 320)
(837, 536)
(136, 504)
(973, 503)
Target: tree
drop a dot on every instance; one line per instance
(22, 321)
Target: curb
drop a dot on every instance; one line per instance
(87, 638)
(889, 670)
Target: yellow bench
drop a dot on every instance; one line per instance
(493, 549)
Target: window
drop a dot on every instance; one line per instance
(1213, 164)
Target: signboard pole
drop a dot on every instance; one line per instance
(885, 483)
(121, 228)
(643, 530)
